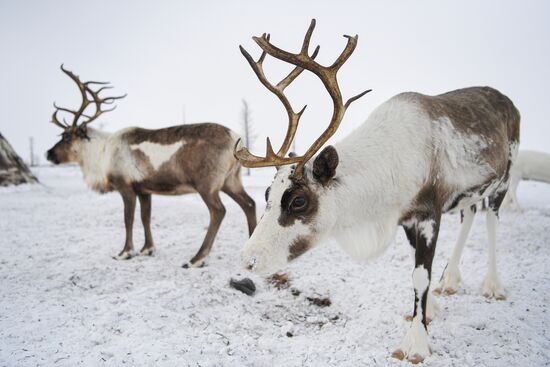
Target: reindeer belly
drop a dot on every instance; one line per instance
(466, 198)
(164, 186)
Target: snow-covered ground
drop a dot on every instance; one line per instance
(65, 302)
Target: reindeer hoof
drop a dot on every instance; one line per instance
(497, 296)
(398, 353)
(198, 264)
(414, 359)
(448, 291)
(450, 282)
(492, 288)
(124, 255)
(149, 251)
(415, 346)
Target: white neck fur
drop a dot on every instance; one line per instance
(94, 159)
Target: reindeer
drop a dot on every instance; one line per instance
(530, 165)
(138, 162)
(415, 158)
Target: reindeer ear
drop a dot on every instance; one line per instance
(324, 166)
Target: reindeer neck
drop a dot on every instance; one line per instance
(380, 172)
(94, 159)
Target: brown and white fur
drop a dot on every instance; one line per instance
(529, 166)
(415, 158)
(175, 160)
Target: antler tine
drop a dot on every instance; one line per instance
(262, 56)
(82, 88)
(295, 72)
(55, 121)
(355, 98)
(63, 109)
(346, 53)
(94, 82)
(103, 88)
(104, 100)
(307, 38)
(98, 101)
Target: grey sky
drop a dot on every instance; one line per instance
(171, 54)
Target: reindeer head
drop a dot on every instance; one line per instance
(76, 133)
(299, 205)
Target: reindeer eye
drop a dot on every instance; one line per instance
(299, 202)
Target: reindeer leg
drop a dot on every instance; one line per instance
(145, 206)
(511, 199)
(235, 191)
(217, 212)
(450, 279)
(129, 199)
(491, 285)
(415, 346)
(432, 308)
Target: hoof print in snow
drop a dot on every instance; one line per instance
(244, 285)
(321, 302)
(279, 281)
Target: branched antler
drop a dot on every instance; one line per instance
(89, 96)
(302, 61)
(293, 118)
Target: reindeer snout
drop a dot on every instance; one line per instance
(249, 263)
(50, 155)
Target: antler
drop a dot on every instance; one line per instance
(271, 158)
(327, 74)
(85, 90)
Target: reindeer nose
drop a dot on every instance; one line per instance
(250, 264)
(51, 157)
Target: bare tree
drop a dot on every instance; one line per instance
(31, 153)
(248, 132)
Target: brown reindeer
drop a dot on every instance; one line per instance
(139, 162)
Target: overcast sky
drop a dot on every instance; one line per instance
(180, 59)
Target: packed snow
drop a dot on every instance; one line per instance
(64, 301)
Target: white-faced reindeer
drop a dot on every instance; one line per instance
(415, 158)
(139, 162)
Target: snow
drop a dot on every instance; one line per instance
(65, 302)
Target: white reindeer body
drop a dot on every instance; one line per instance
(406, 165)
(383, 165)
(415, 158)
(530, 166)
